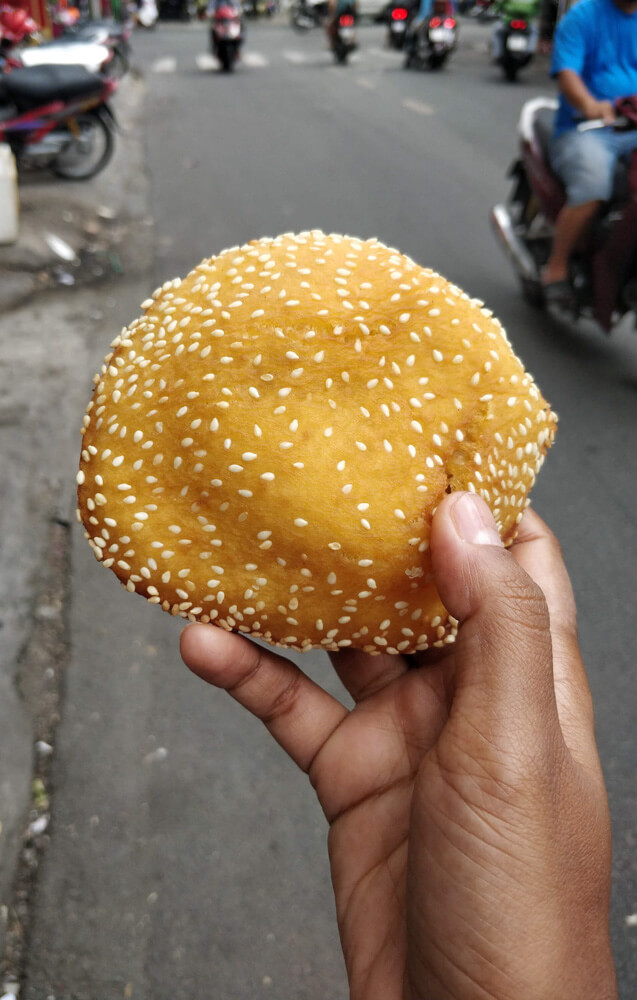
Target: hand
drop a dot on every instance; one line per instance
(469, 834)
(600, 109)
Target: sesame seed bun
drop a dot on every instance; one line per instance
(267, 444)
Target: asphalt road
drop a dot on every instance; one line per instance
(188, 856)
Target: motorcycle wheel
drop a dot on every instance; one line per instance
(437, 60)
(340, 53)
(87, 153)
(510, 71)
(226, 58)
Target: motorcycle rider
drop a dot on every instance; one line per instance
(509, 10)
(426, 10)
(595, 62)
(335, 9)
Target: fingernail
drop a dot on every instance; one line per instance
(473, 521)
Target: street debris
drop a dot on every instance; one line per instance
(60, 247)
(156, 755)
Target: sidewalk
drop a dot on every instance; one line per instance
(77, 244)
(77, 233)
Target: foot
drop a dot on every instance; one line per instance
(558, 293)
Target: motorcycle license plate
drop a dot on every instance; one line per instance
(347, 34)
(444, 35)
(233, 31)
(398, 26)
(517, 43)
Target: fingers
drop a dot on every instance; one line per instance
(504, 674)
(298, 713)
(363, 675)
(537, 550)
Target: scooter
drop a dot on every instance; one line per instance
(432, 40)
(58, 118)
(343, 35)
(114, 35)
(226, 35)
(17, 29)
(398, 23)
(304, 14)
(603, 275)
(518, 42)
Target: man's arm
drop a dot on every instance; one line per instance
(580, 98)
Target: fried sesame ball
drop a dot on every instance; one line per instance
(266, 445)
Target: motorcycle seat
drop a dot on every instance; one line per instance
(543, 124)
(543, 129)
(33, 86)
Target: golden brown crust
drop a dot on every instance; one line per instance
(266, 445)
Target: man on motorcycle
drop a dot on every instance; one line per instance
(335, 9)
(595, 62)
(509, 10)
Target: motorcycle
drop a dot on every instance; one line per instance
(17, 29)
(147, 14)
(516, 40)
(114, 35)
(432, 40)
(603, 273)
(58, 118)
(226, 35)
(397, 26)
(259, 8)
(343, 35)
(304, 14)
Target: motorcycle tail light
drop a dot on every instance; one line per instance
(518, 25)
(346, 20)
(399, 14)
(450, 22)
(435, 22)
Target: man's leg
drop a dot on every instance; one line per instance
(571, 225)
(586, 162)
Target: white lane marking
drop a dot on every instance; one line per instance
(254, 59)
(420, 107)
(206, 62)
(167, 64)
(294, 57)
(365, 83)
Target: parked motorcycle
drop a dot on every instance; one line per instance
(343, 35)
(603, 274)
(431, 41)
(226, 35)
(19, 32)
(58, 118)
(115, 35)
(398, 22)
(516, 40)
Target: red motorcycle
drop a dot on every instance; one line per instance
(603, 274)
(226, 34)
(58, 117)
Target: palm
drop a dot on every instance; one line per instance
(364, 776)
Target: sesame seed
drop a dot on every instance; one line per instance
(299, 522)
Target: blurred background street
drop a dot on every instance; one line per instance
(179, 853)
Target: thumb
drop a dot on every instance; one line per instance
(503, 661)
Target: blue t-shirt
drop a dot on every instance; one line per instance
(598, 41)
